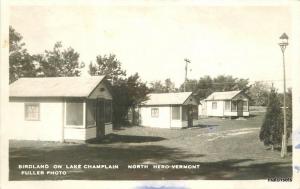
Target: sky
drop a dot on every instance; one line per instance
(154, 40)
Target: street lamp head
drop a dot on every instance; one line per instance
(283, 41)
(187, 60)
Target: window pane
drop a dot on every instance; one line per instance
(175, 112)
(227, 105)
(233, 106)
(108, 111)
(91, 112)
(154, 112)
(74, 113)
(214, 105)
(245, 106)
(32, 111)
(184, 113)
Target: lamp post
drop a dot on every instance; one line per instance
(283, 44)
(187, 61)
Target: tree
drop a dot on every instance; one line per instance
(170, 86)
(272, 127)
(59, 62)
(190, 86)
(229, 83)
(205, 87)
(137, 93)
(127, 92)
(157, 87)
(137, 90)
(109, 66)
(166, 87)
(259, 93)
(21, 63)
(289, 112)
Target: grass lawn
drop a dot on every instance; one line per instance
(224, 149)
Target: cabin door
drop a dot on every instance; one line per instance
(240, 108)
(100, 126)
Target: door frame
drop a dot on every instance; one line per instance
(190, 115)
(100, 119)
(239, 108)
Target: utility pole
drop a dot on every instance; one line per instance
(187, 61)
(283, 44)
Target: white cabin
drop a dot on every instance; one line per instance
(168, 110)
(225, 104)
(60, 108)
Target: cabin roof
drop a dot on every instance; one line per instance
(54, 86)
(167, 98)
(228, 95)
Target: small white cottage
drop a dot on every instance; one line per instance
(225, 104)
(60, 108)
(168, 110)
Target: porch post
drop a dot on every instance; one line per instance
(248, 105)
(84, 114)
(64, 120)
(180, 112)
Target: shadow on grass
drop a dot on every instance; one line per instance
(115, 138)
(289, 148)
(139, 154)
(202, 126)
(253, 115)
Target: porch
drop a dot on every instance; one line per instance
(183, 116)
(236, 108)
(86, 119)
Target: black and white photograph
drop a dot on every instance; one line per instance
(137, 91)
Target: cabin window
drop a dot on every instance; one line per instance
(227, 105)
(175, 112)
(91, 112)
(154, 112)
(245, 106)
(108, 111)
(74, 113)
(32, 111)
(214, 105)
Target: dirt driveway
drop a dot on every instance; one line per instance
(223, 149)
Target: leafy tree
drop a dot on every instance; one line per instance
(137, 90)
(190, 86)
(259, 93)
(109, 66)
(166, 87)
(229, 83)
(272, 128)
(170, 86)
(205, 87)
(136, 93)
(157, 87)
(127, 91)
(127, 94)
(21, 63)
(289, 112)
(59, 62)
